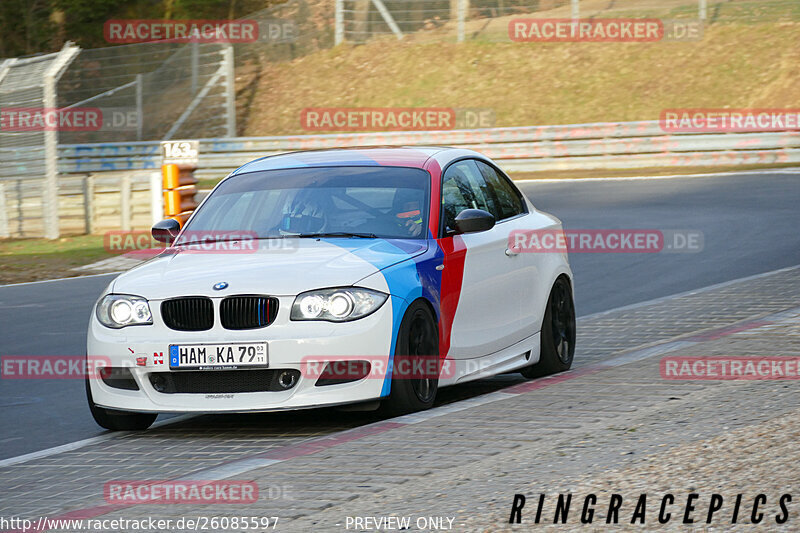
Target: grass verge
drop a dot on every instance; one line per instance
(24, 260)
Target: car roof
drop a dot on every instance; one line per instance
(415, 157)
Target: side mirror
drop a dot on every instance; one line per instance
(166, 230)
(474, 220)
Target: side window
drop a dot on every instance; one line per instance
(505, 196)
(463, 187)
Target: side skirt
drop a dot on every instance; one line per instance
(516, 356)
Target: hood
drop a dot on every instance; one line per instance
(283, 267)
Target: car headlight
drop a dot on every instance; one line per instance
(337, 305)
(120, 310)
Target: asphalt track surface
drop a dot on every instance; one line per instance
(749, 223)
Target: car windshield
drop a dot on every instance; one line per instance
(384, 202)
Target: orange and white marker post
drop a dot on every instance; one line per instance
(179, 161)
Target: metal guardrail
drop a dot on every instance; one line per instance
(619, 145)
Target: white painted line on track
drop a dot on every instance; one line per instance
(645, 353)
(231, 469)
(687, 293)
(416, 418)
(57, 449)
(72, 446)
(61, 279)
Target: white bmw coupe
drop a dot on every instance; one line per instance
(334, 277)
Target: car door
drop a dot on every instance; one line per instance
(530, 269)
(494, 290)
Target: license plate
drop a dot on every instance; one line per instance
(217, 356)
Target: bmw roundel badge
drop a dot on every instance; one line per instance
(221, 285)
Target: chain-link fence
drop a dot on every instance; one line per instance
(150, 91)
(28, 152)
(127, 93)
(424, 20)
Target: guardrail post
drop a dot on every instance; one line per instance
(156, 198)
(125, 202)
(88, 204)
(4, 231)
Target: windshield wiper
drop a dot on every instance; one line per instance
(337, 234)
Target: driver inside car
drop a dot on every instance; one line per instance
(410, 217)
(306, 214)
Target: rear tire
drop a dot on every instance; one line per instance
(118, 420)
(557, 337)
(417, 339)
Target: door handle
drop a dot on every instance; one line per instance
(510, 252)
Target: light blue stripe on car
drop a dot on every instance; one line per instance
(404, 283)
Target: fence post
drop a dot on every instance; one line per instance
(5, 66)
(194, 67)
(230, 91)
(703, 10)
(361, 26)
(463, 7)
(339, 22)
(576, 16)
(50, 189)
(4, 230)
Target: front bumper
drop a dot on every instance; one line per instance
(290, 345)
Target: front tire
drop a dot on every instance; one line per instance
(557, 337)
(417, 342)
(118, 420)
